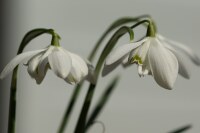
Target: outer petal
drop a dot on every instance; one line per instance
(81, 69)
(60, 62)
(189, 52)
(79, 64)
(42, 70)
(125, 61)
(118, 53)
(183, 69)
(109, 68)
(86, 68)
(19, 58)
(33, 65)
(43, 65)
(75, 73)
(163, 64)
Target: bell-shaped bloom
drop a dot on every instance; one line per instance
(66, 65)
(156, 56)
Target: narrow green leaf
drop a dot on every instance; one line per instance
(70, 108)
(12, 105)
(80, 127)
(102, 102)
(182, 129)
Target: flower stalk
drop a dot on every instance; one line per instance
(12, 103)
(65, 64)
(55, 39)
(80, 127)
(13, 89)
(113, 26)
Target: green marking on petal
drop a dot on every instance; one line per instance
(136, 59)
(72, 79)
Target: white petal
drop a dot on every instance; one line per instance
(79, 64)
(33, 65)
(75, 73)
(15, 61)
(47, 52)
(81, 69)
(109, 68)
(183, 67)
(40, 77)
(163, 64)
(43, 65)
(42, 70)
(141, 51)
(125, 60)
(119, 52)
(189, 52)
(60, 62)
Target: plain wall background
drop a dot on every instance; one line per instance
(138, 104)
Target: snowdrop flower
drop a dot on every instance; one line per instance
(154, 56)
(66, 65)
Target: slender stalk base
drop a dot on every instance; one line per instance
(12, 105)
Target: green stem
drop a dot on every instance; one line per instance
(114, 25)
(151, 31)
(12, 105)
(55, 39)
(13, 89)
(111, 43)
(80, 127)
(151, 27)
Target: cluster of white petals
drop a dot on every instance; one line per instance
(157, 56)
(66, 65)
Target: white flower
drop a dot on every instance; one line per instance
(154, 56)
(66, 65)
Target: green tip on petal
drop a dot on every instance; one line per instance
(136, 59)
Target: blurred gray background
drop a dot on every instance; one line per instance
(138, 105)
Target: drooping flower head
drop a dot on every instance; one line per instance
(154, 55)
(66, 65)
